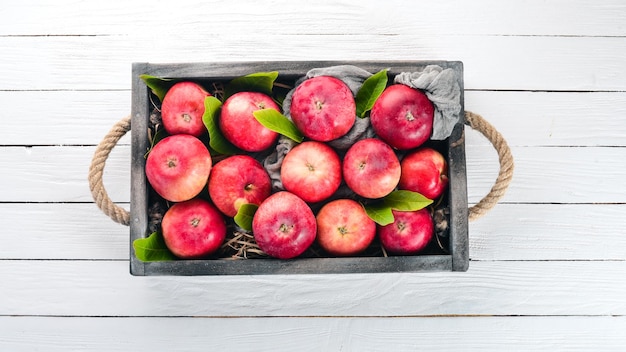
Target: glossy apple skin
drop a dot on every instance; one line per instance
(178, 167)
(284, 226)
(424, 171)
(323, 108)
(237, 180)
(312, 171)
(409, 234)
(403, 117)
(343, 228)
(371, 168)
(182, 109)
(240, 127)
(193, 229)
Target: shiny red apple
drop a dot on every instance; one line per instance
(240, 127)
(193, 229)
(312, 171)
(343, 228)
(284, 226)
(237, 180)
(178, 167)
(424, 171)
(403, 117)
(182, 109)
(409, 234)
(371, 168)
(323, 108)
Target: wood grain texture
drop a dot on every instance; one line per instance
(490, 62)
(528, 119)
(486, 17)
(70, 231)
(61, 117)
(105, 288)
(550, 232)
(313, 334)
(547, 264)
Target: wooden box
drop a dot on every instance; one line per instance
(452, 254)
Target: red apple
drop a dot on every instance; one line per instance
(409, 233)
(193, 229)
(371, 168)
(323, 108)
(238, 180)
(424, 171)
(312, 171)
(343, 228)
(284, 226)
(182, 109)
(178, 167)
(239, 125)
(403, 117)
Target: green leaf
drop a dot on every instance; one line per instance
(217, 141)
(278, 123)
(254, 82)
(380, 213)
(159, 86)
(152, 249)
(403, 200)
(244, 216)
(371, 89)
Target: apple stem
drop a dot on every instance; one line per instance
(284, 228)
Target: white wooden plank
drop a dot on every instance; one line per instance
(313, 334)
(59, 174)
(323, 17)
(61, 117)
(61, 231)
(105, 288)
(547, 175)
(542, 174)
(510, 232)
(550, 232)
(491, 62)
(524, 118)
(551, 118)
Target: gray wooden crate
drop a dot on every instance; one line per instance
(453, 258)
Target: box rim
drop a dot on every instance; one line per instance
(457, 260)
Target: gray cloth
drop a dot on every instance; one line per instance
(442, 88)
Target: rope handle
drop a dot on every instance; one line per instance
(99, 193)
(505, 175)
(475, 121)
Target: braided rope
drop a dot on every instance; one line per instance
(99, 193)
(505, 157)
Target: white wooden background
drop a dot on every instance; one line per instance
(548, 264)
